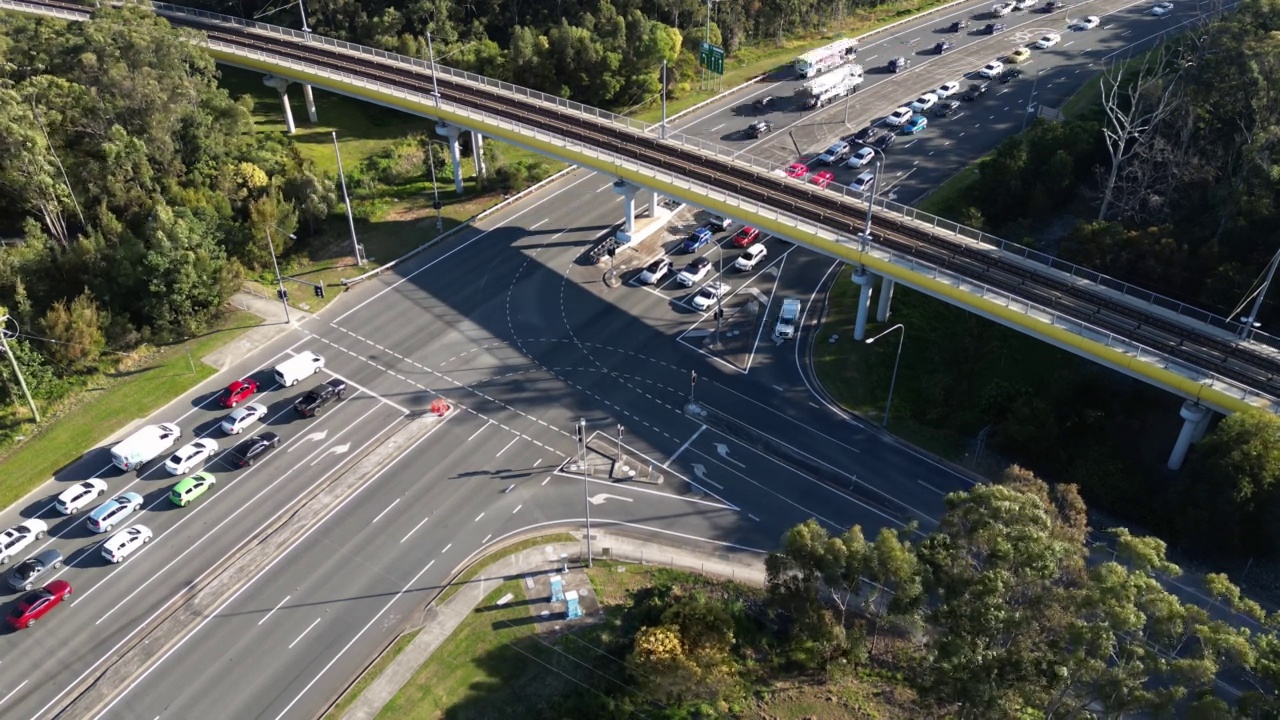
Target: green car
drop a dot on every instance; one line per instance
(193, 487)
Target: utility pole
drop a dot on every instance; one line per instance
(346, 199)
(284, 294)
(693, 382)
(582, 455)
(618, 459)
(4, 346)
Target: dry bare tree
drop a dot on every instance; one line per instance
(1135, 102)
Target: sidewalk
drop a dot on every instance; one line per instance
(438, 623)
(273, 326)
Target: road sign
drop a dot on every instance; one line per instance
(711, 57)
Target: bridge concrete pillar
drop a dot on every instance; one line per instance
(628, 193)
(311, 103)
(282, 86)
(654, 200)
(886, 297)
(1202, 427)
(862, 279)
(477, 149)
(455, 153)
(1192, 416)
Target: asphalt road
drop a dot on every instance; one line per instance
(506, 323)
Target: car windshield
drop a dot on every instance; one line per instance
(26, 569)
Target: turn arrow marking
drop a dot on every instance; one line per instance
(599, 499)
(336, 449)
(724, 453)
(313, 436)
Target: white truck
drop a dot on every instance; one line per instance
(145, 445)
(816, 62)
(787, 319)
(831, 86)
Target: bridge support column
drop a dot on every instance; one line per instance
(886, 297)
(477, 149)
(311, 103)
(628, 193)
(1202, 427)
(282, 86)
(455, 153)
(654, 200)
(862, 279)
(1192, 416)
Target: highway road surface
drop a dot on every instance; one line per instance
(507, 324)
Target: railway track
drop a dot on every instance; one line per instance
(1188, 344)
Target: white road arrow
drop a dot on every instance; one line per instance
(701, 471)
(336, 449)
(758, 295)
(599, 499)
(724, 453)
(313, 436)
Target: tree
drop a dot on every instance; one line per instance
(74, 333)
(1229, 489)
(1134, 111)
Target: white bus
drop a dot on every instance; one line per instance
(826, 57)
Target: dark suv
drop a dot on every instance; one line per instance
(975, 91)
(899, 64)
(993, 28)
(248, 452)
(319, 396)
(760, 128)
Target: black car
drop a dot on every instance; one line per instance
(993, 28)
(319, 396)
(946, 108)
(759, 128)
(867, 135)
(975, 91)
(1010, 74)
(899, 64)
(24, 574)
(884, 141)
(957, 26)
(1052, 7)
(943, 46)
(248, 452)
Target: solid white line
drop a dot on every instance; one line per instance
(513, 442)
(384, 512)
(478, 517)
(930, 487)
(446, 548)
(341, 652)
(11, 692)
(415, 528)
(692, 437)
(474, 434)
(244, 587)
(274, 609)
(304, 632)
(513, 512)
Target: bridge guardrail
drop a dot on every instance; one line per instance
(1128, 290)
(803, 226)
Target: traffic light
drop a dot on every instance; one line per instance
(319, 291)
(283, 294)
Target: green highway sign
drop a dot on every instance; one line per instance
(711, 57)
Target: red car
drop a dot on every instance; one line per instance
(797, 170)
(822, 179)
(239, 391)
(746, 236)
(34, 605)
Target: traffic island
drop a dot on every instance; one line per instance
(739, 329)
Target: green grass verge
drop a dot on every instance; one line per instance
(949, 198)
(96, 412)
(470, 573)
(349, 697)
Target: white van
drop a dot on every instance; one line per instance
(305, 363)
(145, 445)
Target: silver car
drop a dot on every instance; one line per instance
(23, 576)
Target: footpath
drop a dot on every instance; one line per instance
(437, 623)
(273, 325)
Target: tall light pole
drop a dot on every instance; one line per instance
(351, 221)
(302, 10)
(893, 380)
(664, 98)
(284, 296)
(4, 346)
(1250, 321)
(431, 58)
(586, 496)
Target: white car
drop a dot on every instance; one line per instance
(655, 271)
(862, 183)
(694, 271)
(124, 543)
(190, 455)
(241, 418)
(752, 255)
(1002, 9)
(1088, 23)
(13, 540)
(837, 152)
(946, 90)
(709, 293)
(1048, 41)
(78, 496)
(1024, 4)
(1161, 9)
(860, 158)
(899, 117)
(924, 102)
(991, 69)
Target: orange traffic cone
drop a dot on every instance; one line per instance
(439, 407)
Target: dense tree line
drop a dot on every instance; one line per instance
(133, 190)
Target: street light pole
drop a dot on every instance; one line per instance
(279, 280)
(586, 496)
(894, 379)
(664, 98)
(431, 55)
(303, 11)
(351, 221)
(4, 346)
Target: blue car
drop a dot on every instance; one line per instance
(696, 239)
(111, 512)
(915, 125)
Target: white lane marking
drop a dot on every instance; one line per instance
(486, 539)
(930, 487)
(538, 463)
(474, 434)
(244, 587)
(384, 512)
(4, 699)
(692, 437)
(304, 632)
(415, 528)
(513, 512)
(274, 609)
(753, 517)
(544, 480)
(539, 224)
(478, 517)
(513, 442)
(717, 127)
(446, 548)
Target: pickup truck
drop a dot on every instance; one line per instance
(787, 319)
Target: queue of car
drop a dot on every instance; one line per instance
(136, 452)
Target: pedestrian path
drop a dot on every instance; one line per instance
(273, 325)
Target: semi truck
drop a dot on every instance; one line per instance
(828, 87)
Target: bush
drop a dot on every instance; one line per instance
(516, 176)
